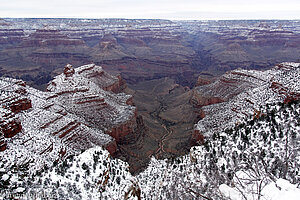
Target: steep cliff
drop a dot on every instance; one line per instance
(36, 131)
(89, 92)
(250, 140)
(139, 50)
(77, 112)
(244, 92)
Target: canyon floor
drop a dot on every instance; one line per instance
(169, 119)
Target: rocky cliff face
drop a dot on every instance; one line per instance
(226, 87)
(79, 110)
(33, 55)
(87, 92)
(142, 50)
(243, 93)
(51, 131)
(35, 128)
(10, 37)
(13, 100)
(247, 44)
(143, 53)
(10, 125)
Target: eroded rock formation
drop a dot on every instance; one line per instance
(244, 92)
(74, 115)
(87, 92)
(142, 50)
(13, 99)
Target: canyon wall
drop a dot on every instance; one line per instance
(243, 94)
(81, 109)
(139, 50)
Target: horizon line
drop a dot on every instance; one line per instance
(170, 19)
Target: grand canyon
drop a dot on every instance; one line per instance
(148, 109)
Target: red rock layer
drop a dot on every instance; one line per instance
(9, 124)
(197, 138)
(68, 70)
(81, 93)
(202, 81)
(44, 37)
(3, 145)
(200, 101)
(123, 130)
(10, 127)
(112, 148)
(106, 81)
(15, 102)
(20, 105)
(10, 37)
(117, 86)
(281, 89)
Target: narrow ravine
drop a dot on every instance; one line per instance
(160, 152)
(168, 117)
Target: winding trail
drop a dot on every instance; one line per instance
(160, 149)
(166, 126)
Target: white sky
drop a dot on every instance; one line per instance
(152, 9)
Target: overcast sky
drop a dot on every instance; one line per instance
(163, 9)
